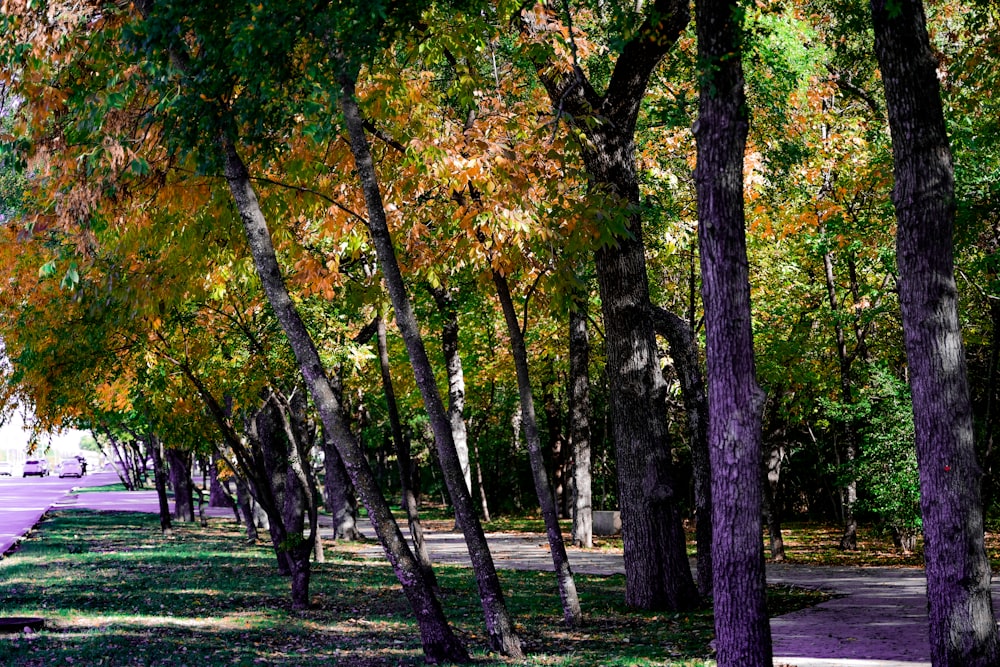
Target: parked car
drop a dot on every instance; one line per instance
(39, 467)
(6, 468)
(70, 468)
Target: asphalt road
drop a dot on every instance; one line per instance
(23, 500)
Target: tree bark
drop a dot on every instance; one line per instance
(736, 402)
(579, 425)
(404, 461)
(499, 626)
(529, 423)
(160, 480)
(657, 572)
(439, 642)
(962, 626)
(179, 466)
(684, 353)
(456, 379)
(340, 499)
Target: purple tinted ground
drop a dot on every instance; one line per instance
(879, 618)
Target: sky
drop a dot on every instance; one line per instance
(13, 438)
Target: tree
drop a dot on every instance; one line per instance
(962, 626)
(736, 402)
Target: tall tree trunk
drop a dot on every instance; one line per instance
(529, 423)
(962, 626)
(557, 445)
(180, 479)
(849, 540)
(439, 642)
(736, 402)
(770, 476)
(160, 480)
(579, 425)
(456, 379)
(404, 461)
(684, 353)
(499, 627)
(482, 488)
(657, 572)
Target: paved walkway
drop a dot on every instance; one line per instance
(879, 618)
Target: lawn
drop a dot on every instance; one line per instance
(114, 591)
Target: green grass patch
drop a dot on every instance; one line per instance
(114, 591)
(117, 486)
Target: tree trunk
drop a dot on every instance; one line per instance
(736, 402)
(657, 572)
(403, 460)
(340, 499)
(439, 642)
(579, 425)
(218, 495)
(529, 423)
(179, 466)
(160, 480)
(557, 445)
(962, 626)
(770, 476)
(684, 353)
(499, 627)
(456, 379)
(482, 488)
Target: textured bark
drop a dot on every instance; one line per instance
(657, 572)
(499, 626)
(179, 467)
(770, 476)
(155, 448)
(439, 642)
(579, 426)
(962, 626)
(684, 353)
(456, 379)
(404, 461)
(558, 453)
(340, 499)
(743, 634)
(529, 423)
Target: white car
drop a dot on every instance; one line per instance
(38, 467)
(6, 468)
(70, 468)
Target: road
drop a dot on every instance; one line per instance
(23, 500)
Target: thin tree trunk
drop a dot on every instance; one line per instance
(771, 472)
(403, 460)
(456, 378)
(499, 626)
(340, 499)
(962, 626)
(684, 353)
(736, 402)
(482, 488)
(439, 642)
(579, 425)
(529, 423)
(849, 540)
(160, 480)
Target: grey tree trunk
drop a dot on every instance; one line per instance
(736, 402)
(179, 467)
(456, 379)
(404, 461)
(529, 423)
(684, 353)
(579, 425)
(439, 642)
(340, 499)
(657, 572)
(962, 626)
(499, 627)
(155, 448)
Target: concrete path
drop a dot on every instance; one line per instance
(879, 618)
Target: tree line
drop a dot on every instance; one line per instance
(487, 242)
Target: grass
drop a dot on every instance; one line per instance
(117, 486)
(114, 591)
